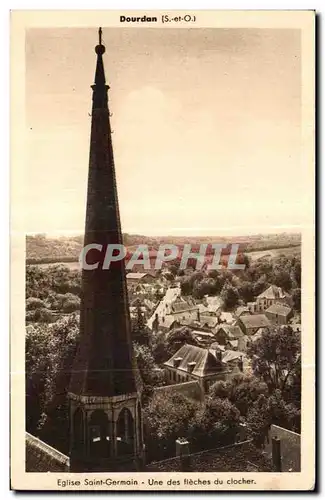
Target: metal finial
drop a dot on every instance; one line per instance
(100, 48)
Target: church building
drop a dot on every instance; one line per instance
(105, 389)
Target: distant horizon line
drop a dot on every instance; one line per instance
(293, 230)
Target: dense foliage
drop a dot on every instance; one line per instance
(271, 394)
(244, 285)
(50, 350)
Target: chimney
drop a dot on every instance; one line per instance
(177, 362)
(155, 324)
(191, 366)
(219, 355)
(198, 315)
(276, 453)
(241, 364)
(183, 453)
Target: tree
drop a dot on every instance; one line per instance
(275, 356)
(269, 410)
(33, 303)
(167, 417)
(71, 304)
(214, 424)
(246, 291)
(42, 315)
(151, 374)
(241, 390)
(140, 331)
(229, 295)
(186, 286)
(204, 287)
(50, 351)
(177, 337)
(296, 297)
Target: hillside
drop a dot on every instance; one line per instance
(40, 248)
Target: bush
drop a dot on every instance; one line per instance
(33, 303)
(71, 305)
(42, 315)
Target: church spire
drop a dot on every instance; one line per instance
(104, 390)
(100, 50)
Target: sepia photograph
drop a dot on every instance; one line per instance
(163, 241)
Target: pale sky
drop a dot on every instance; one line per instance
(207, 131)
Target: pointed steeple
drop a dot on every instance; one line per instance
(100, 50)
(104, 376)
(100, 88)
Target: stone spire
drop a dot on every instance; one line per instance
(104, 372)
(104, 361)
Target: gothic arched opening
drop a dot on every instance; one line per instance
(78, 430)
(125, 433)
(100, 436)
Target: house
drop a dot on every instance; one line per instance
(252, 307)
(252, 322)
(273, 294)
(232, 345)
(163, 308)
(134, 311)
(257, 335)
(289, 443)
(139, 278)
(196, 363)
(226, 333)
(239, 457)
(203, 336)
(234, 360)
(279, 314)
(41, 457)
(242, 310)
(210, 322)
(183, 309)
(212, 303)
(227, 317)
(237, 344)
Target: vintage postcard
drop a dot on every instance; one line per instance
(162, 250)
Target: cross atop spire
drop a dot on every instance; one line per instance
(100, 88)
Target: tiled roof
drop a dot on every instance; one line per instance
(40, 457)
(213, 303)
(229, 356)
(273, 292)
(210, 321)
(255, 321)
(242, 309)
(136, 276)
(258, 334)
(239, 457)
(205, 361)
(191, 389)
(280, 309)
(201, 333)
(233, 331)
(227, 317)
(181, 306)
